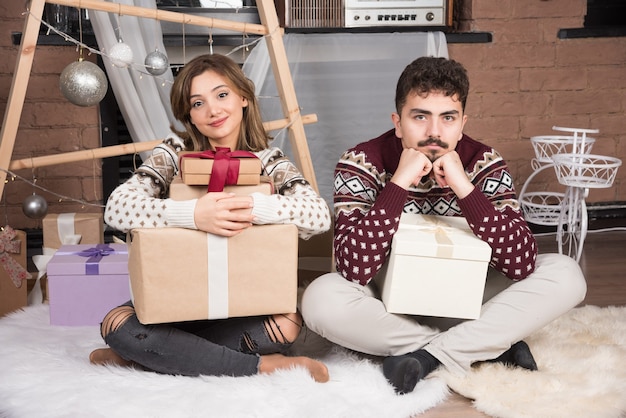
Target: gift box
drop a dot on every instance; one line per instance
(220, 168)
(181, 191)
(180, 274)
(72, 228)
(85, 282)
(13, 273)
(437, 267)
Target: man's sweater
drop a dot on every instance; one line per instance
(368, 207)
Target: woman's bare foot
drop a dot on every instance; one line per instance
(272, 362)
(103, 356)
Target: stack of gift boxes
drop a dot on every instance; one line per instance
(85, 277)
(175, 274)
(181, 275)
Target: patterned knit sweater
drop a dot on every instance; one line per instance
(368, 207)
(142, 201)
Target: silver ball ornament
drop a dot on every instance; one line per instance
(35, 206)
(156, 63)
(83, 83)
(121, 55)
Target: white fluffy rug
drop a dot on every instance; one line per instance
(45, 372)
(582, 371)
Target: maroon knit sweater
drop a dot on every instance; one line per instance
(368, 207)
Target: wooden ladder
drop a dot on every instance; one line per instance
(269, 28)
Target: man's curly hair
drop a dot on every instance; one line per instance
(431, 74)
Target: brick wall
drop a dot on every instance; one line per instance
(528, 80)
(523, 83)
(49, 125)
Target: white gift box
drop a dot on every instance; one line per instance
(437, 267)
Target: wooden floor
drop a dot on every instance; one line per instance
(603, 265)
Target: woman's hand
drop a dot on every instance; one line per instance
(224, 214)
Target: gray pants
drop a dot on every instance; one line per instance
(353, 316)
(193, 348)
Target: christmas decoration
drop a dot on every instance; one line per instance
(35, 206)
(83, 83)
(10, 245)
(121, 55)
(156, 62)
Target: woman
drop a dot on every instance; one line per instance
(215, 102)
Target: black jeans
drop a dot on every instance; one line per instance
(211, 347)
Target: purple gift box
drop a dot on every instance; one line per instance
(86, 281)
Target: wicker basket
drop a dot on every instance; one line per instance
(587, 171)
(542, 208)
(546, 146)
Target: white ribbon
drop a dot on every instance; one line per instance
(35, 297)
(67, 236)
(65, 228)
(217, 266)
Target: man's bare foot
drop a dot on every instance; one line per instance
(103, 356)
(272, 362)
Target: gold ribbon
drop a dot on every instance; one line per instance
(9, 245)
(439, 228)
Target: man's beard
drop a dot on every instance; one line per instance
(432, 155)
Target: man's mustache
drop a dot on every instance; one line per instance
(430, 141)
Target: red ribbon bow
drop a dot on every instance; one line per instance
(10, 245)
(225, 166)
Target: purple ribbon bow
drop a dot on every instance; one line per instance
(95, 254)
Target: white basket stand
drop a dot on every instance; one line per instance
(546, 146)
(586, 171)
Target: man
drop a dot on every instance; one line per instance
(427, 165)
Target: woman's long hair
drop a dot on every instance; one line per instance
(252, 135)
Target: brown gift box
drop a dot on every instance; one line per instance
(182, 191)
(12, 297)
(179, 274)
(197, 171)
(59, 229)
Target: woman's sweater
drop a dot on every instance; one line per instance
(142, 201)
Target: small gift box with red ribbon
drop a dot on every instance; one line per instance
(13, 273)
(86, 281)
(181, 274)
(220, 168)
(437, 267)
(182, 191)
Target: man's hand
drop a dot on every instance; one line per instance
(224, 214)
(412, 167)
(448, 171)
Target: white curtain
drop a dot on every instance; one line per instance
(143, 99)
(348, 80)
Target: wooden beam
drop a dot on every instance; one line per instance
(17, 93)
(157, 14)
(117, 150)
(286, 90)
(294, 120)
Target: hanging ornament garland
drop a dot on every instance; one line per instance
(121, 55)
(83, 83)
(35, 206)
(156, 62)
